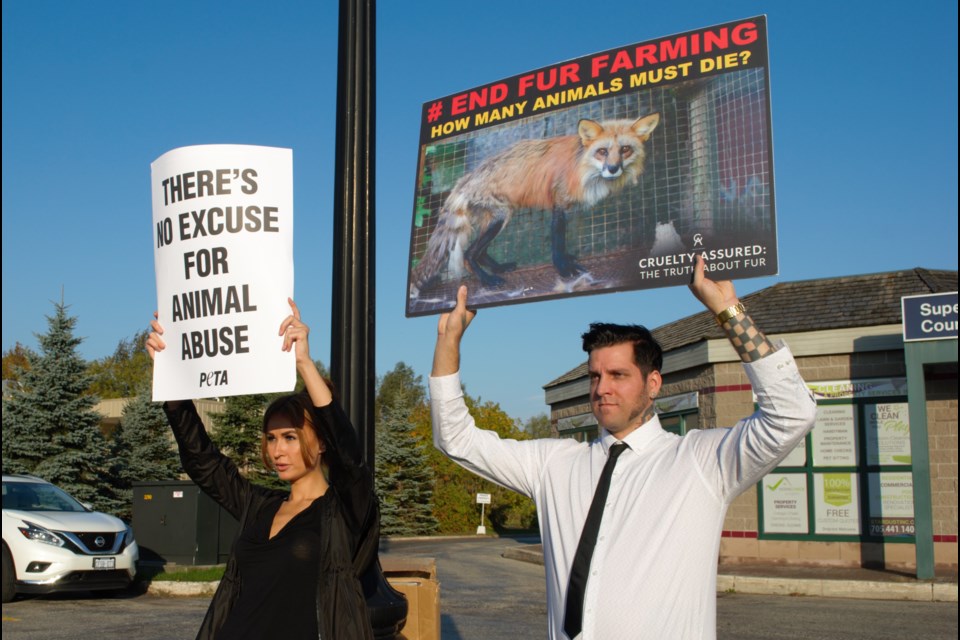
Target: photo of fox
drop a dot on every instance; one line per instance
(552, 174)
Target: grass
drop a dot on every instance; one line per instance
(187, 574)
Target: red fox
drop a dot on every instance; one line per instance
(551, 175)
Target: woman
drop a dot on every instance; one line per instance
(293, 571)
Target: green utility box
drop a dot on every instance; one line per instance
(175, 522)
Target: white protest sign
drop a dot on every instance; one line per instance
(223, 253)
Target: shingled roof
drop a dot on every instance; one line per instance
(809, 305)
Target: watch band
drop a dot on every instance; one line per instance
(730, 312)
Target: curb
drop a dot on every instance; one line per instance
(819, 587)
(826, 588)
(756, 585)
(182, 589)
(523, 555)
(854, 589)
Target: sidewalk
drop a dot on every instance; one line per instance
(825, 582)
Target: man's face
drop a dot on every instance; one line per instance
(619, 394)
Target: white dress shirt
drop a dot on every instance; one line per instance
(653, 573)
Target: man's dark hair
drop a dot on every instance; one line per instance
(646, 351)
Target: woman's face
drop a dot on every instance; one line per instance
(286, 447)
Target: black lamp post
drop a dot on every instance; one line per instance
(352, 363)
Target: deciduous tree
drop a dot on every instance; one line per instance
(16, 359)
(538, 426)
(455, 492)
(123, 373)
(400, 385)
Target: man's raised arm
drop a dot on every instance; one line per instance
(721, 299)
(450, 329)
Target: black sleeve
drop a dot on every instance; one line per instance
(213, 472)
(348, 473)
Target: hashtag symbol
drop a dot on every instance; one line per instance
(435, 111)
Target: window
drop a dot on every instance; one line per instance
(680, 422)
(851, 477)
(582, 428)
(679, 413)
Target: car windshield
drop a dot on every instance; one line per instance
(35, 496)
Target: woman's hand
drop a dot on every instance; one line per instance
(154, 342)
(296, 334)
(296, 338)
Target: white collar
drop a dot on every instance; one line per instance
(638, 439)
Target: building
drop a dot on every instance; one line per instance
(846, 497)
(111, 412)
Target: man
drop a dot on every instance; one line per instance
(651, 572)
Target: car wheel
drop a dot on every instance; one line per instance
(9, 575)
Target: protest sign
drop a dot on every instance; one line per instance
(223, 253)
(608, 172)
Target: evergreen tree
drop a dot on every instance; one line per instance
(238, 435)
(144, 448)
(404, 479)
(50, 428)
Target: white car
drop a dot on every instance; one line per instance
(51, 542)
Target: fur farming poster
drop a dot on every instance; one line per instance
(223, 254)
(604, 173)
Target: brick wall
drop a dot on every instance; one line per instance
(942, 434)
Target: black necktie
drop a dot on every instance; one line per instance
(573, 619)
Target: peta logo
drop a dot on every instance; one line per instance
(213, 378)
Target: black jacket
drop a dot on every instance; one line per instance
(349, 542)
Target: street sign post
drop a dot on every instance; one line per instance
(483, 499)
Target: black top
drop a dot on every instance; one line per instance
(279, 576)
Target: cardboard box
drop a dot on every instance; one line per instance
(416, 578)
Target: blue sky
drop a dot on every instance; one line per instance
(864, 120)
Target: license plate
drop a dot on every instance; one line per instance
(104, 563)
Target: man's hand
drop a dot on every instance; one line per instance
(450, 330)
(453, 324)
(715, 296)
(746, 338)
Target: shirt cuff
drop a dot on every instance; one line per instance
(777, 366)
(445, 387)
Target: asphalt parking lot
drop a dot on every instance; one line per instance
(486, 596)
